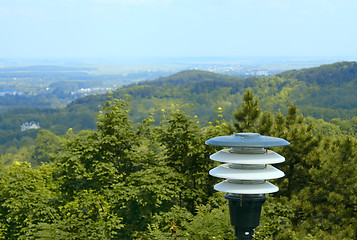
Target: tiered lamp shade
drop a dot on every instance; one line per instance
(247, 163)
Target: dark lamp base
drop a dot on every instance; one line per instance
(245, 213)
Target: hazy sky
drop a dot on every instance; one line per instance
(177, 28)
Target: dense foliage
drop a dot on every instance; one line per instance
(327, 94)
(140, 170)
(150, 180)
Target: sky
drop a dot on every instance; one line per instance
(177, 28)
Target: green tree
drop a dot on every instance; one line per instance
(328, 202)
(88, 216)
(124, 165)
(247, 116)
(47, 146)
(188, 155)
(142, 195)
(95, 164)
(209, 221)
(102, 158)
(26, 198)
(266, 123)
(303, 146)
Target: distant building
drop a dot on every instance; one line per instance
(10, 93)
(29, 125)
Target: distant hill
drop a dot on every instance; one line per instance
(189, 77)
(327, 92)
(195, 92)
(326, 75)
(332, 90)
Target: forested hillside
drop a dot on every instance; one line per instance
(327, 93)
(150, 181)
(333, 92)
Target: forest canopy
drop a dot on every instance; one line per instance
(150, 180)
(133, 164)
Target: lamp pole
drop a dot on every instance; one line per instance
(246, 168)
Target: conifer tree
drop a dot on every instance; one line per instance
(330, 198)
(247, 116)
(303, 145)
(266, 123)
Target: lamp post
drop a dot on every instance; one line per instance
(246, 169)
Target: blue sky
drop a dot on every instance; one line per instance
(177, 28)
